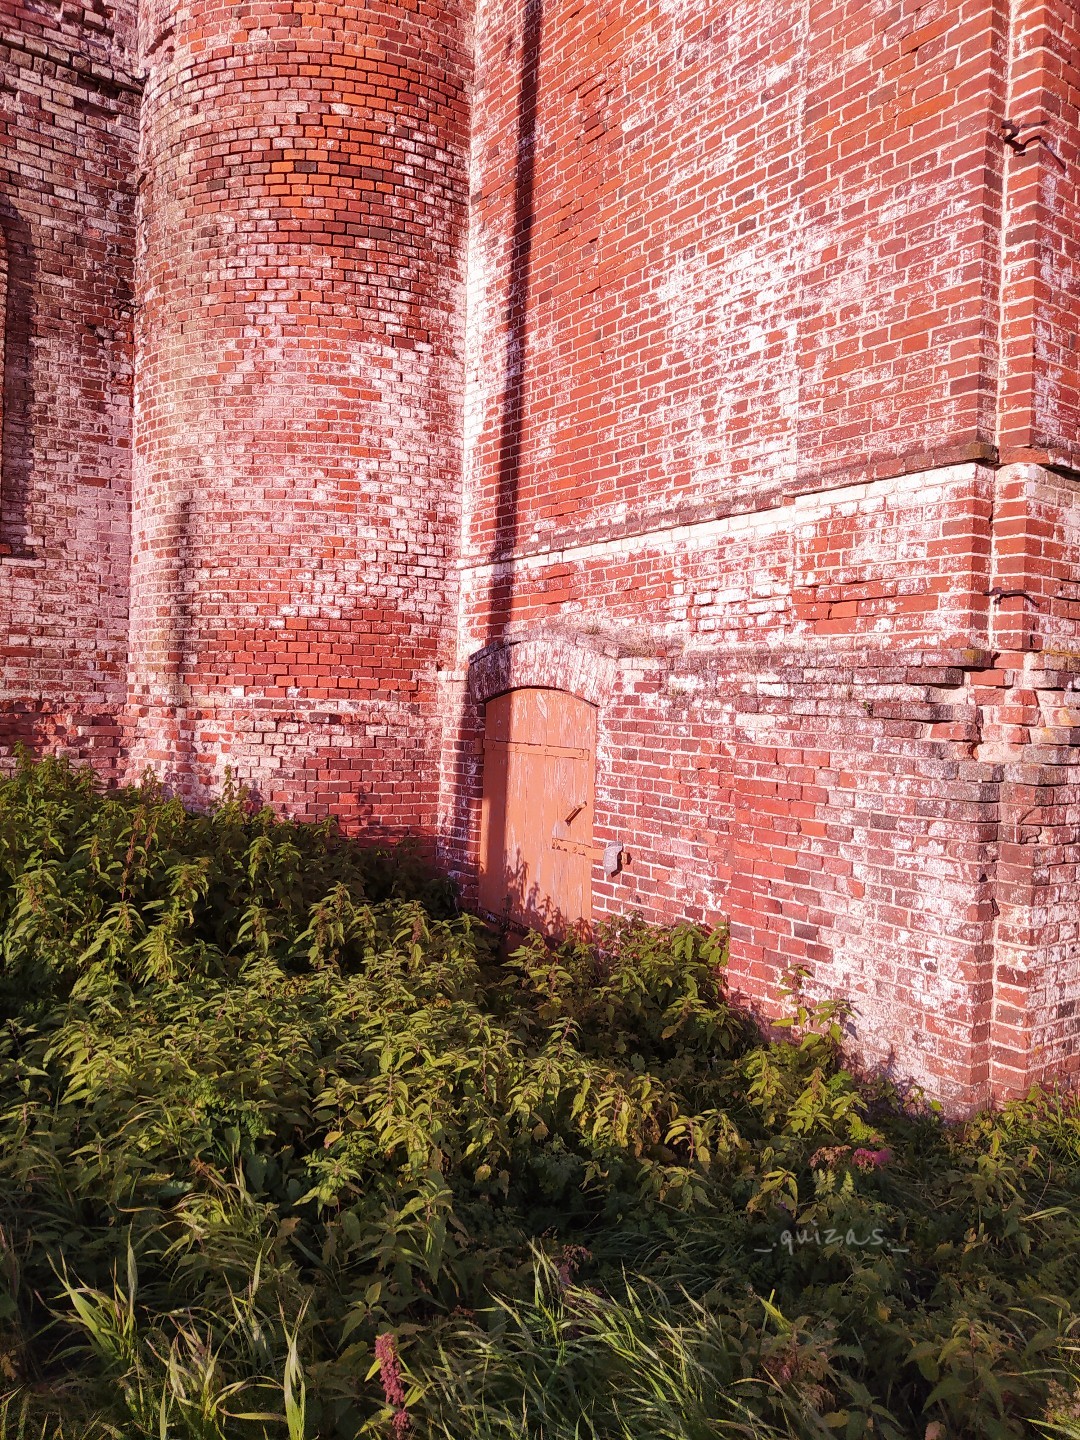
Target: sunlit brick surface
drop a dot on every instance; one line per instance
(753, 318)
(297, 400)
(716, 364)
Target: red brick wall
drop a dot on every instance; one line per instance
(1032, 709)
(1041, 239)
(763, 297)
(788, 741)
(713, 362)
(754, 245)
(298, 398)
(68, 108)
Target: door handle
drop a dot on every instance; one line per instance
(574, 813)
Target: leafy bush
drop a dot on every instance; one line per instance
(285, 1152)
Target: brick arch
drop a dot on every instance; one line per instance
(546, 662)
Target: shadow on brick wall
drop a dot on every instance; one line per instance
(515, 326)
(512, 403)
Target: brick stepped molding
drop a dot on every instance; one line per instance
(819, 732)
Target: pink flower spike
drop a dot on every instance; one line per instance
(390, 1370)
(864, 1159)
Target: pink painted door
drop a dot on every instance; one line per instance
(536, 850)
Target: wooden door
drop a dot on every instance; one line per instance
(536, 851)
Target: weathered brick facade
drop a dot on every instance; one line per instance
(298, 395)
(68, 132)
(715, 363)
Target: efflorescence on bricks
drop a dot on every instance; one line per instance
(296, 497)
(713, 363)
(68, 129)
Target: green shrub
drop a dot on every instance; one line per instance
(285, 1152)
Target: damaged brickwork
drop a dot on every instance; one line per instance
(715, 364)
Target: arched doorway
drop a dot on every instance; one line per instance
(536, 848)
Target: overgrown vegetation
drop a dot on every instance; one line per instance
(286, 1153)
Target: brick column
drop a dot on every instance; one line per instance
(1032, 716)
(297, 412)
